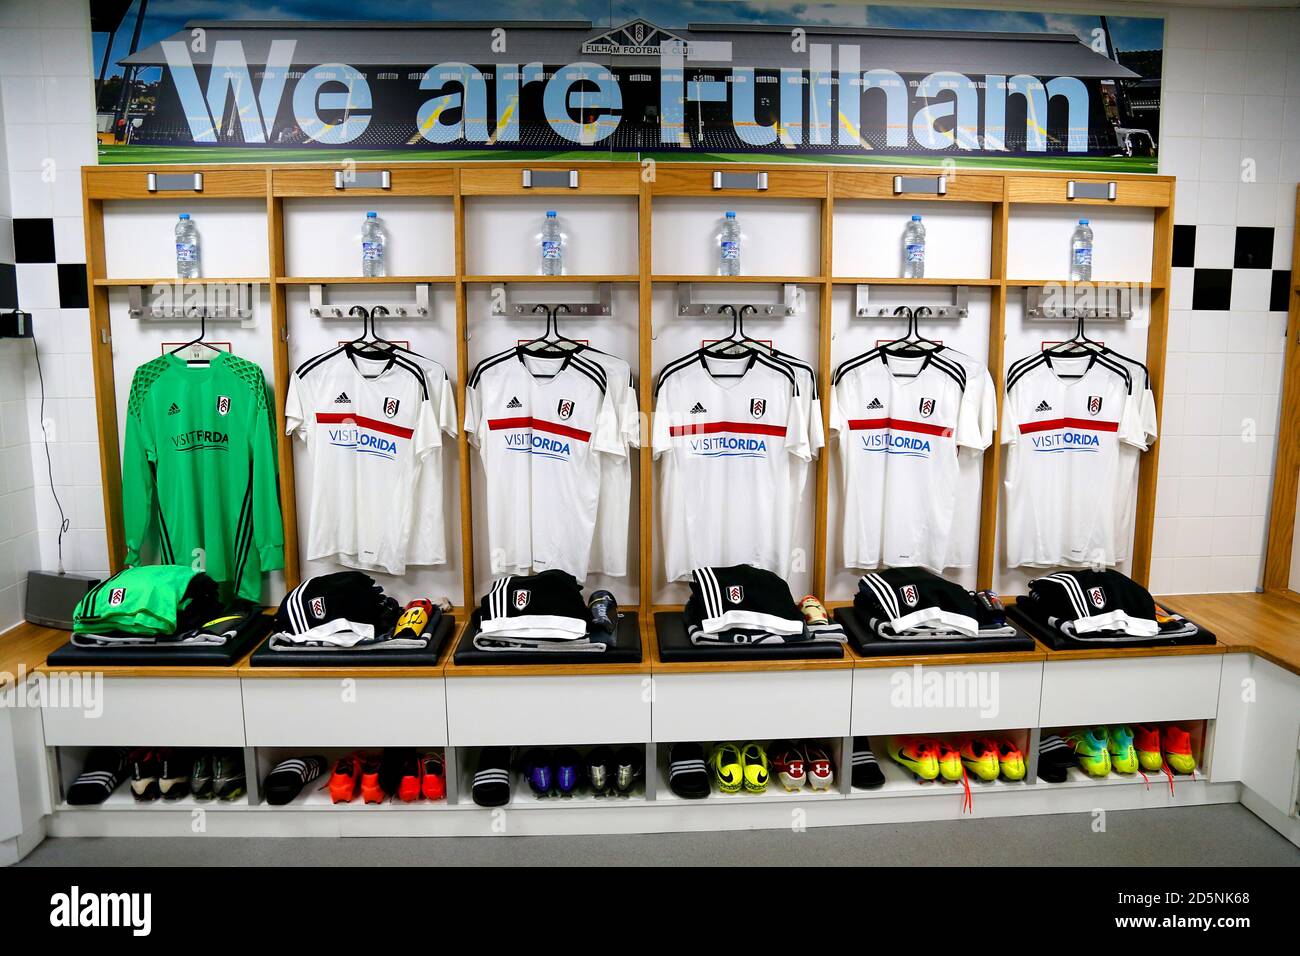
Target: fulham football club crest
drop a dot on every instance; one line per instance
(565, 409)
(757, 406)
(223, 404)
(522, 596)
(116, 596)
(1094, 404)
(318, 608)
(735, 594)
(390, 406)
(910, 595)
(926, 408)
(1097, 596)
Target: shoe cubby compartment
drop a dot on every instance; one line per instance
(938, 698)
(1201, 733)
(548, 711)
(1161, 687)
(900, 781)
(90, 709)
(775, 792)
(67, 763)
(723, 703)
(521, 794)
(353, 712)
(316, 794)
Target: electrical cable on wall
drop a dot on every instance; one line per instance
(64, 523)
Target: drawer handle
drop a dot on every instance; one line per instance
(550, 179)
(1074, 190)
(174, 182)
(930, 185)
(363, 179)
(723, 180)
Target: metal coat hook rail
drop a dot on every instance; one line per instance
(957, 308)
(220, 301)
(504, 304)
(790, 303)
(1079, 302)
(320, 308)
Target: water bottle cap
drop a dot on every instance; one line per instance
(185, 215)
(371, 215)
(550, 214)
(916, 219)
(1083, 222)
(731, 215)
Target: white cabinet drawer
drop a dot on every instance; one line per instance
(925, 699)
(1130, 690)
(571, 709)
(345, 712)
(754, 705)
(153, 711)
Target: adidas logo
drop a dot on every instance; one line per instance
(699, 409)
(514, 402)
(343, 399)
(1043, 406)
(174, 410)
(874, 403)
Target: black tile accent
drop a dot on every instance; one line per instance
(34, 240)
(8, 286)
(1254, 248)
(72, 287)
(1184, 246)
(1212, 289)
(1280, 298)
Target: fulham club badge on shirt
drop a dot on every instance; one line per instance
(757, 406)
(1097, 596)
(521, 598)
(910, 595)
(564, 409)
(1094, 404)
(390, 406)
(735, 594)
(116, 596)
(223, 404)
(926, 408)
(318, 608)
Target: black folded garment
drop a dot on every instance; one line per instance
(346, 601)
(1103, 608)
(914, 603)
(742, 605)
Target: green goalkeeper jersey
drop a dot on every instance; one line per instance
(199, 482)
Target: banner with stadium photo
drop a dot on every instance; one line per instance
(821, 83)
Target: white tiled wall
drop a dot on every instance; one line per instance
(1231, 96)
(1231, 92)
(46, 94)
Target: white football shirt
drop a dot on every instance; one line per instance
(726, 430)
(369, 425)
(1065, 420)
(541, 426)
(963, 541)
(900, 422)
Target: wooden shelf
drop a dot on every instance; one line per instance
(895, 280)
(802, 280)
(480, 279)
(1097, 283)
(362, 280)
(172, 280)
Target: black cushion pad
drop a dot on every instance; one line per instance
(626, 649)
(392, 657)
(1059, 642)
(160, 655)
(869, 644)
(675, 646)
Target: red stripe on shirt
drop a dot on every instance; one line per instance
(1086, 424)
(709, 428)
(900, 425)
(539, 424)
(338, 418)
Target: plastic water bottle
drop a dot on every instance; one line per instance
(914, 250)
(372, 246)
(1081, 253)
(729, 246)
(187, 248)
(552, 244)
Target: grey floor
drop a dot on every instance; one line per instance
(1227, 834)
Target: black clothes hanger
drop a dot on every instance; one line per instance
(551, 343)
(199, 340)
